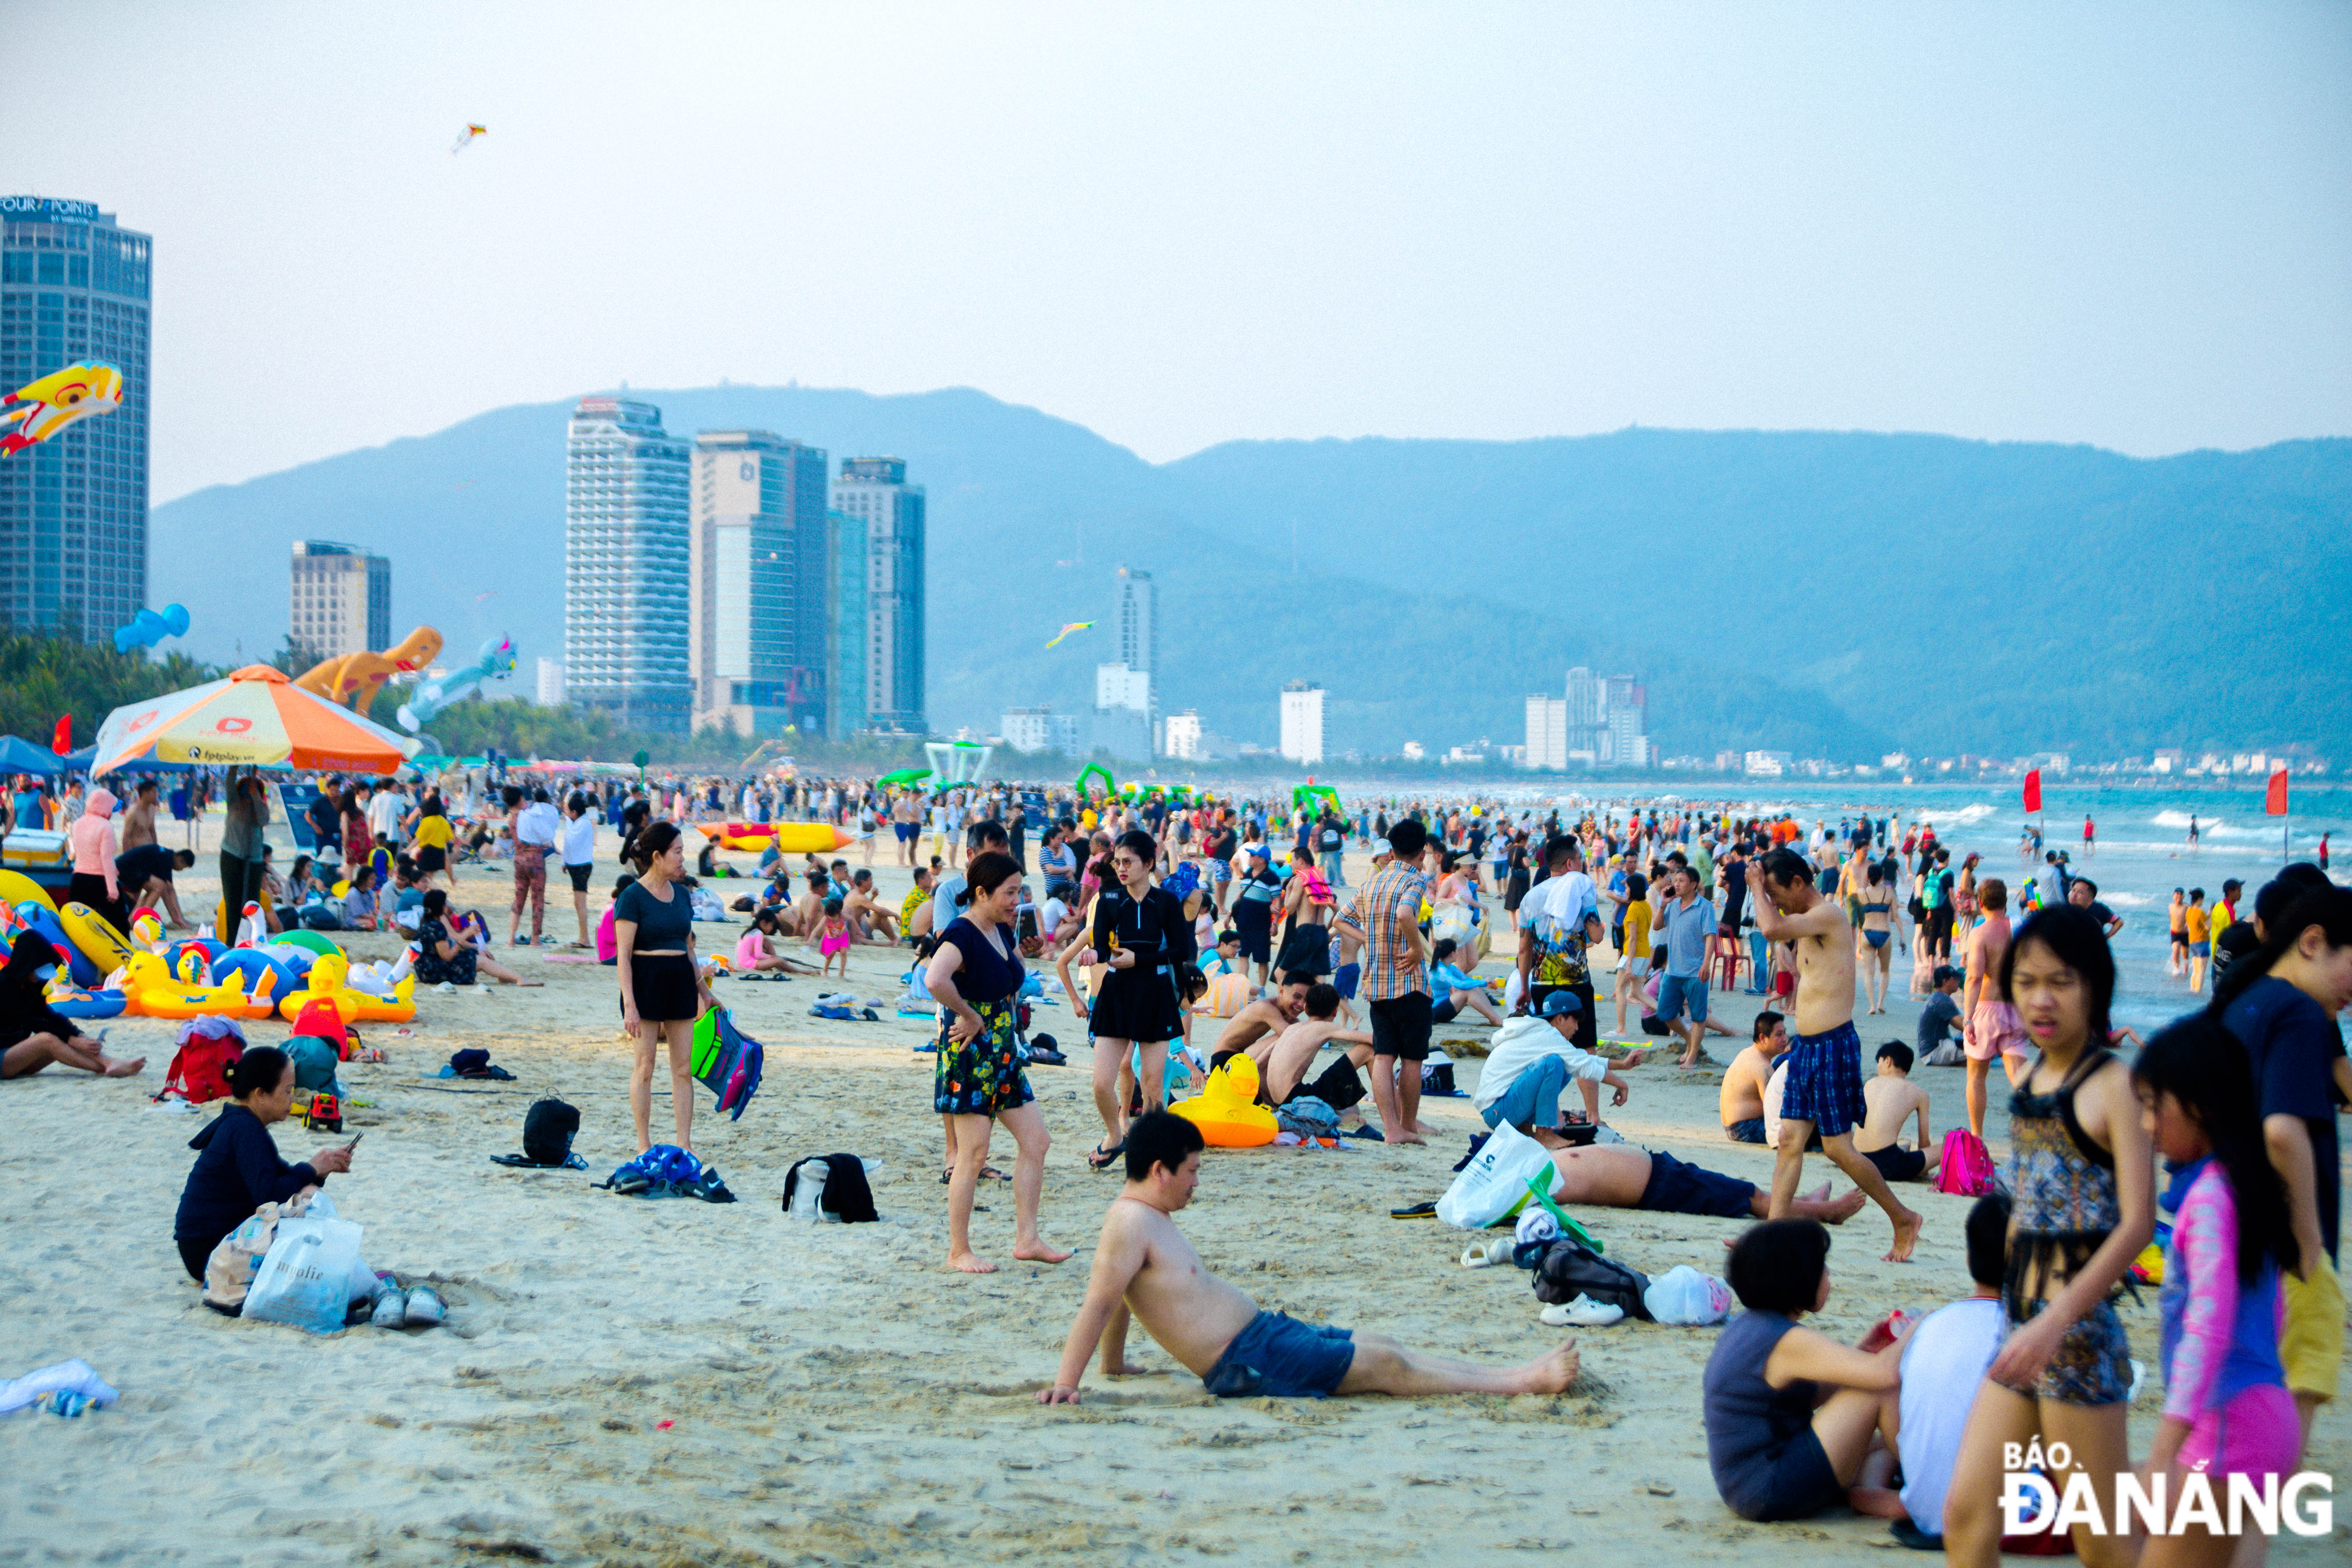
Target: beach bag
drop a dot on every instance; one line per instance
(1569, 1268)
(548, 1129)
(1686, 1298)
(726, 1061)
(1437, 1078)
(229, 1271)
(1494, 1185)
(1965, 1166)
(199, 1072)
(1307, 1117)
(306, 1279)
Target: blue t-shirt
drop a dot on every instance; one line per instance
(1688, 928)
(2294, 1044)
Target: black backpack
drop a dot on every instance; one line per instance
(1569, 1268)
(548, 1129)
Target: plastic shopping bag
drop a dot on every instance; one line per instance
(306, 1279)
(1494, 1185)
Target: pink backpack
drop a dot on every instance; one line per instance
(1966, 1167)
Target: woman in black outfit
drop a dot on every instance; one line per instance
(1517, 889)
(237, 1166)
(32, 1033)
(1140, 937)
(662, 991)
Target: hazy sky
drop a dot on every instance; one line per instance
(1177, 225)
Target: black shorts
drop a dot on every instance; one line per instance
(579, 875)
(666, 989)
(1254, 921)
(1400, 1026)
(1137, 1004)
(1895, 1164)
(1307, 953)
(1341, 1086)
(431, 858)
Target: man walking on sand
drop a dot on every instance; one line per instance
(1386, 917)
(1825, 1082)
(1145, 1270)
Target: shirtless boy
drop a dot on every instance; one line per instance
(1265, 1017)
(1824, 1083)
(1989, 1026)
(867, 918)
(1283, 1063)
(1145, 1268)
(1742, 1104)
(1891, 1099)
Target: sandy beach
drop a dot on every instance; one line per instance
(674, 1383)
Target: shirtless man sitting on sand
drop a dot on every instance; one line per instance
(1741, 1103)
(1261, 1020)
(1621, 1176)
(1283, 1059)
(1144, 1268)
(1892, 1099)
(1825, 1082)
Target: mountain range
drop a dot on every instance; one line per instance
(1835, 594)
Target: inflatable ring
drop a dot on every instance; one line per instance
(90, 1004)
(247, 965)
(42, 919)
(96, 936)
(316, 941)
(16, 888)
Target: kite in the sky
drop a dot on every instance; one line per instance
(466, 138)
(42, 408)
(1066, 631)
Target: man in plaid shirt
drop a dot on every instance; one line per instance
(1386, 917)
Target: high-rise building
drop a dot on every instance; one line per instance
(760, 592)
(1136, 613)
(874, 491)
(1588, 716)
(1547, 733)
(848, 567)
(627, 567)
(341, 600)
(551, 683)
(73, 509)
(1302, 722)
(1180, 737)
(1628, 739)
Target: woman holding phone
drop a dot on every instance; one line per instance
(1141, 936)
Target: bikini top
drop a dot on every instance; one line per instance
(2065, 1198)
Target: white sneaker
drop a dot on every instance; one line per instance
(1584, 1312)
(424, 1308)
(390, 1308)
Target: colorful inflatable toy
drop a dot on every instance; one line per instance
(15, 887)
(318, 942)
(1226, 1110)
(94, 935)
(328, 982)
(47, 921)
(76, 1002)
(150, 991)
(247, 965)
(789, 837)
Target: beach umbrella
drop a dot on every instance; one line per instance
(255, 718)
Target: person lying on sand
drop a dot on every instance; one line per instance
(1621, 1176)
(1144, 1268)
(32, 1033)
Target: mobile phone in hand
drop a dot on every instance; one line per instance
(354, 1142)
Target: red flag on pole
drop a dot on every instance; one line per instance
(2275, 800)
(62, 742)
(2034, 791)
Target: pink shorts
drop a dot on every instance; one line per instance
(1994, 1031)
(2256, 1434)
(832, 944)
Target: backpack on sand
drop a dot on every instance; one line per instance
(1569, 1268)
(1966, 1165)
(199, 1072)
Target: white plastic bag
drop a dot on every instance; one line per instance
(1493, 1184)
(1687, 1298)
(306, 1279)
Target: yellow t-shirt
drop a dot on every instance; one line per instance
(434, 833)
(2199, 922)
(1637, 929)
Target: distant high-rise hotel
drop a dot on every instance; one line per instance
(340, 602)
(874, 491)
(1603, 722)
(73, 509)
(1302, 721)
(627, 567)
(761, 590)
(1138, 610)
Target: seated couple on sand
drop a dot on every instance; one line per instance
(1282, 1034)
(1145, 1270)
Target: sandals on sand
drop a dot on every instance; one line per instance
(987, 1174)
(1101, 1159)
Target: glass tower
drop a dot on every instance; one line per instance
(759, 581)
(874, 491)
(73, 509)
(626, 549)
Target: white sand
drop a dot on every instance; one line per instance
(836, 1395)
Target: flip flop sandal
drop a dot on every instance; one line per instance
(1101, 1159)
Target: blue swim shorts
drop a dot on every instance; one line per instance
(1824, 1084)
(1282, 1358)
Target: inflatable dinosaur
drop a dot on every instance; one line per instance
(355, 678)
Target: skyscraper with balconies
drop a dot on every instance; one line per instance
(627, 566)
(760, 595)
(874, 491)
(73, 509)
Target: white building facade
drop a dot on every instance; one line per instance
(627, 566)
(1302, 722)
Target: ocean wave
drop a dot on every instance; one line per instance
(1963, 816)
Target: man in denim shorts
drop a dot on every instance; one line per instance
(1145, 1268)
(1824, 1083)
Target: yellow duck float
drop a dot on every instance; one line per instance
(151, 991)
(326, 984)
(1226, 1110)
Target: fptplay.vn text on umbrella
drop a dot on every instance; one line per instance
(256, 717)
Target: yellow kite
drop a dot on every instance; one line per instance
(42, 408)
(1066, 631)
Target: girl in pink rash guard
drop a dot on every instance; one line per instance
(2226, 1406)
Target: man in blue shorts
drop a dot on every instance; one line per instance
(1824, 1083)
(1685, 928)
(1145, 1268)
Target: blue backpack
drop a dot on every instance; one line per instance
(726, 1061)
